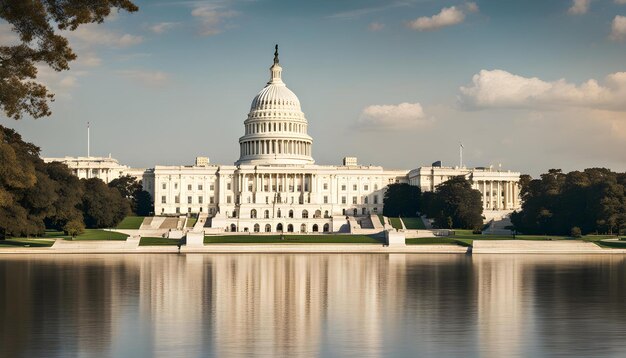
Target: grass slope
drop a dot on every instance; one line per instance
(157, 241)
(22, 242)
(191, 222)
(303, 239)
(130, 223)
(97, 234)
(414, 223)
(395, 222)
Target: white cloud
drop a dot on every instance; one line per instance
(501, 89)
(471, 7)
(92, 35)
(88, 59)
(7, 36)
(148, 78)
(59, 83)
(618, 28)
(211, 19)
(375, 26)
(162, 27)
(448, 16)
(579, 7)
(390, 117)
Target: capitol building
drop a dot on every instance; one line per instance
(275, 185)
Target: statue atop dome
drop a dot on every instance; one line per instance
(276, 54)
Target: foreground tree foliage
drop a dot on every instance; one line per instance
(591, 201)
(37, 23)
(454, 204)
(402, 200)
(35, 195)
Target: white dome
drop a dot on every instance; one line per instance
(276, 128)
(275, 95)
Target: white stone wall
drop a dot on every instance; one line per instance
(499, 189)
(264, 195)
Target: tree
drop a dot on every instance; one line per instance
(143, 204)
(34, 21)
(74, 228)
(129, 188)
(593, 200)
(102, 206)
(402, 200)
(454, 204)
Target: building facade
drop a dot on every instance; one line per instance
(275, 185)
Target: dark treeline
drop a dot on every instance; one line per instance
(453, 204)
(591, 201)
(35, 195)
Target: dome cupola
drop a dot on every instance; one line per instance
(276, 129)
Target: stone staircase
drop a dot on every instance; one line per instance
(498, 227)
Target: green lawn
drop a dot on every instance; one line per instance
(157, 241)
(191, 221)
(612, 244)
(438, 240)
(395, 222)
(97, 234)
(130, 223)
(326, 239)
(22, 242)
(414, 223)
(382, 220)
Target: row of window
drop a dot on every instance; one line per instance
(275, 127)
(190, 186)
(304, 214)
(200, 200)
(274, 187)
(189, 199)
(280, 228)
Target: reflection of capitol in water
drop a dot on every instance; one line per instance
(362, 305)
(273, 305)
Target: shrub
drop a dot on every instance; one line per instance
(575, 232)
(74, 228)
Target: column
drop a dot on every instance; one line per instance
(491, 194)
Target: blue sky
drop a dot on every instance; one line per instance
(531, 85)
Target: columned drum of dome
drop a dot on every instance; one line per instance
(276, 129)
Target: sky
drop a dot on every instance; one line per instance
(523, 85)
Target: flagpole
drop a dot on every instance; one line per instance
(88, 154)
(460, 155)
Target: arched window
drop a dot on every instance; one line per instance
(253, 214)
(257, 228)
(233, 228)
(279, 227)
(289, 228)
(305, 214)
(268, 228)
(303, 228)
(354, 212)
(291, 214)
(315, 228)
(326, 214)
(318, 214)
(326, 228)
(278, 214)
(267, 214)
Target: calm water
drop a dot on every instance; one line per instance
(312, 305)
